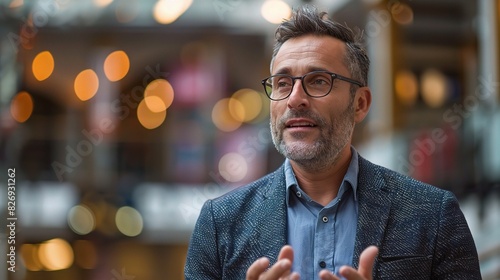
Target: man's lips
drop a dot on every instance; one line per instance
(299, 123)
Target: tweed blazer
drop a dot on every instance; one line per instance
(419, 229)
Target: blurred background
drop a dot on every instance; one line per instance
(119, 118)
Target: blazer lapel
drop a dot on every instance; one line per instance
(374, 203)
(270, 232)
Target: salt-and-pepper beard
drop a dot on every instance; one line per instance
(325, 151)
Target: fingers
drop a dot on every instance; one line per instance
(366, 261)
(294, 276)
(257, 271)
(257, 268)
(280, 269)
(286, 252)
(327, 275)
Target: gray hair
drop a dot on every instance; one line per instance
(307, 20)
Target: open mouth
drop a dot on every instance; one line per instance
(301, 124)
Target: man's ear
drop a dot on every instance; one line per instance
(362, 103)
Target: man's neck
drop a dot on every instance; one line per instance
(323, 185)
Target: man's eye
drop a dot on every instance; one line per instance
(320, 82)
(283, 83)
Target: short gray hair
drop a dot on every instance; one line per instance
(307, 20)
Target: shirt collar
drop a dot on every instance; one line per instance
(351, 176)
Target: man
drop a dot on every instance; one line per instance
(327, 213)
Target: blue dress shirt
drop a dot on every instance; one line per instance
(322, 237)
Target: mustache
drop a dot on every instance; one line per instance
(291, 114)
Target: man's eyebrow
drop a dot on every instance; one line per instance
(311, 69)
(284, 70)
(287, 71)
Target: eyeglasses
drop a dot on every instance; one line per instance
(315, 84)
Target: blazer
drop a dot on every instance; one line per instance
(419, 229)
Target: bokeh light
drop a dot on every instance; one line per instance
(168, 11)
(81, 219)
(43, 65)
(222, 118)
(116, 66)
(434, 88)
(236, 109)
(161, 89)
(148, 118)
(245, 105)
(275, 11)
(102, 3)
(29, 255)
(86, 84)
(406, 86)
(402, 13)
(85, 254)
(129, 221)
(16, 4)
(21, 106)
(56, 254)
(233, 167)
(155, 104)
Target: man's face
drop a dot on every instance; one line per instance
(313, 132)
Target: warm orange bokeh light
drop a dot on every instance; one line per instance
(86, 84)
(406, 86)
(222, 118)
(43, 65)
(161, 89)
(148, 118)
(155, 104)
(245, 105)
(29, 255)
(21, 107)
(434, 88)
(116, 65)
(56, 254)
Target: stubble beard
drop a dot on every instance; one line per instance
(325, 151)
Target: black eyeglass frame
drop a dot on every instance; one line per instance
(301, 78)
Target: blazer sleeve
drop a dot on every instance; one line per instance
(202, 260)
(456, 254)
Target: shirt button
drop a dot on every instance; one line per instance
(299, 194)
(322, 264)
(325, 219)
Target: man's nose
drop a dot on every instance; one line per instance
(298, 97)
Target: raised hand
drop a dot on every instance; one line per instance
(281, 270)
(364, 272)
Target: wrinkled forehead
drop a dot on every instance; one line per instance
(309, 53)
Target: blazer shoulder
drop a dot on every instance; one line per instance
(270, 185)
(400, 184)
